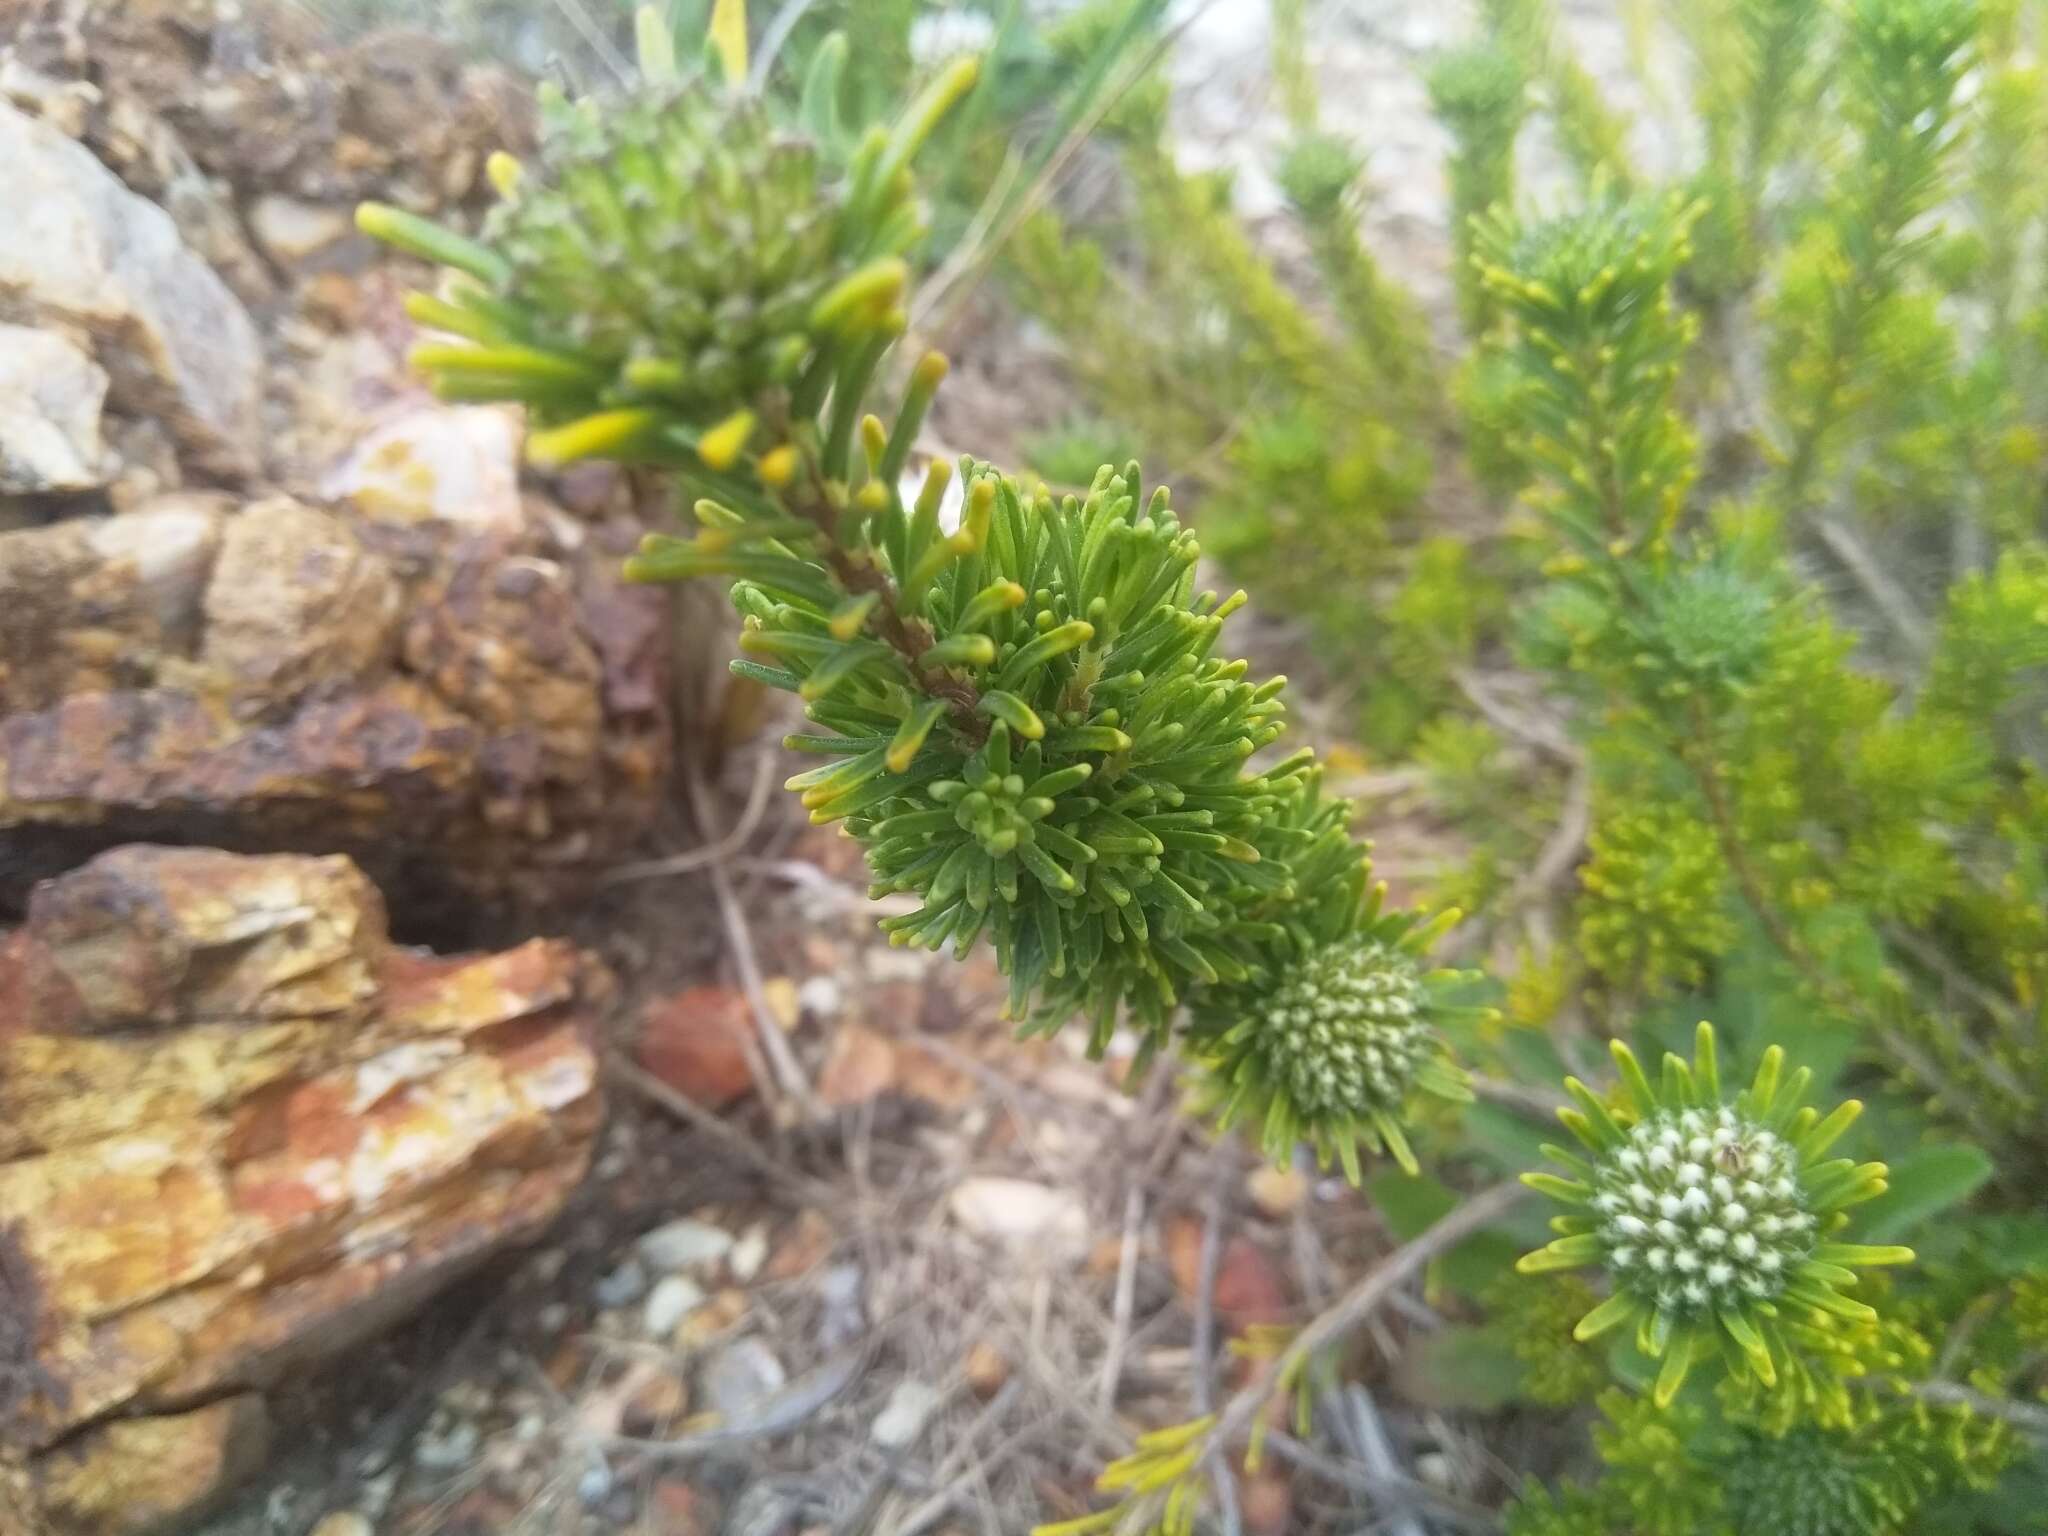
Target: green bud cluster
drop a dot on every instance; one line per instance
(674, 256)
(1481, 94)
(1335, 1049)
(1318, 175)
(1712, 1219)
(1704, 630)
(704, 262)
(1089, 810)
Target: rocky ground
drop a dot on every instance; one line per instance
(442, 1086)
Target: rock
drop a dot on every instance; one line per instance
(186, 673)
(595, 1485)
(780, 994)
(1249, 1288)
(748, 1254)
(820, 997)
(698, 1042)
(440, 463)
(681, 1508)
(50, 396)
(1026, 1217)
(622, 1287)
(803, 1245)
(135, 1477)
(986, 1369)
(683, 1244)
(903, 1417)
(717, 1318)
(502, 641)
(1276, 1191)
(449, 1448)
(674, 1299)
(90, 605)
(863, 1064)
(84, 251)
(136, 144)
(290, 230)
(152, 936)
(655, 1401)
(240, 1130)
(740, 1376)
(344, 1522)
(859, 1066)
(296, 602)
(839, 1289)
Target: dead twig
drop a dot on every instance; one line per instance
(788, 1073)
(2026, 1417)
(811, 1192)
(1397, 1490)
(758, 794)
(1126, 1297)
(1885, 594)
(1223, 1170)
(1375, 1448)
(948, 1471)
(1538, 1102)
(1361, 1302)
(1537, 731)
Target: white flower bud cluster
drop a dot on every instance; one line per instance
(1345, 1032)
(1701, 1209)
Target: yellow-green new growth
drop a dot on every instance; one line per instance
(1713, 1220)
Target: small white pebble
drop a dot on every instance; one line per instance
(820, 997)
(672, 1300)
(748, 1254)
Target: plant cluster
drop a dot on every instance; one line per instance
(1811, 809)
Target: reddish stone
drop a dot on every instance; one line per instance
(1266, 1500)
(1249, 1289)
(697, 1042)
(861, 1065)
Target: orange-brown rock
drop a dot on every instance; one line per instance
(241, 1130)
(135, 1477)
(697, 1042)
(464, 712)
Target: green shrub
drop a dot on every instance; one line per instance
(1813, 809)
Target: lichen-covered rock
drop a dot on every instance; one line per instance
(79, 249)
(296, 601)
(142, 1477)
(135, 938)
(93, 604)
(465, 713)
(50, 396)
(134, 142)
(297, 1132)
(264, 98)
(437, 463)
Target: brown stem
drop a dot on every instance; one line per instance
(1360, 1302)
(911, 638)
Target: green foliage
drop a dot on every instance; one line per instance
(1024, 719)
(1480, 95)
(1765, 739)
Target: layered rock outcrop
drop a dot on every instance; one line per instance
(239, 1131)
(471, 713)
